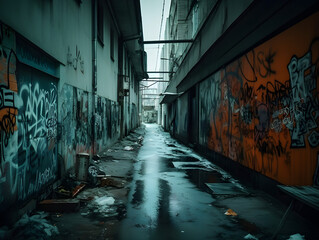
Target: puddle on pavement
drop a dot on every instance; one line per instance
(170, 145)
(164, 217)
(199, 177)
(185, 159)
(138, 195)
(164, 165)
(248, 226)
(195, 166)
(178, 152)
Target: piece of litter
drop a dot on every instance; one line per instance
(182, 231)
(43, 228)
(230, 212)
(249, 236)
(296, 236)
(128, 148)
(105, 201)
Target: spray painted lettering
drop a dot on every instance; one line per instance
(262, 110)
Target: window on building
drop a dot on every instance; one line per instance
(112, 44)
(100, 22)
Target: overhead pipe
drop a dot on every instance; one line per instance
(159, 72)
(168, 41)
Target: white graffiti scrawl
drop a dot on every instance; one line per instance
(303, 107)
(37, 124)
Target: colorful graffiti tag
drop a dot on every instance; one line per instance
(28, 126)
(76, 122)
(262, 110)
(8, 118)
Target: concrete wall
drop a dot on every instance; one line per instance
(131, 99)
(46, 98)
(262, 110)
(107, 75)
(218, 16)
(59, 28)
(182, 116)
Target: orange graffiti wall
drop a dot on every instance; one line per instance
(262, 110)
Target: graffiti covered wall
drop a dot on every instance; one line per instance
(37, 130)
(8, 119)
(75, 118)
(262, 110)
(28, 126)
(75, 124)
(107, 122)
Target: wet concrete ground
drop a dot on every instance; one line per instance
(167, 191)
(170, 199)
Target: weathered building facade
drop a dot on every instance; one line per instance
(246, 88)
(69, 83)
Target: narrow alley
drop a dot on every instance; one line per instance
(177, 194)
(159, 119)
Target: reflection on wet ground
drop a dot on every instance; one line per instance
(185, 159)
(200, 177)
(169, 198)
(138, 195)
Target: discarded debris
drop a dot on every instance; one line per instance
(77, 189)
(103, 207)
(296, 236)
(59, 205)
(95, 170)
(249, 236)
(96, 157)
(94, 173)
(61, 191)
(140, 140)
(105, 181)
(30, 227)
(230, 212)
(105, 201)
(128, 148)
(67, 191)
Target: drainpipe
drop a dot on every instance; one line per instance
(94, 68)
